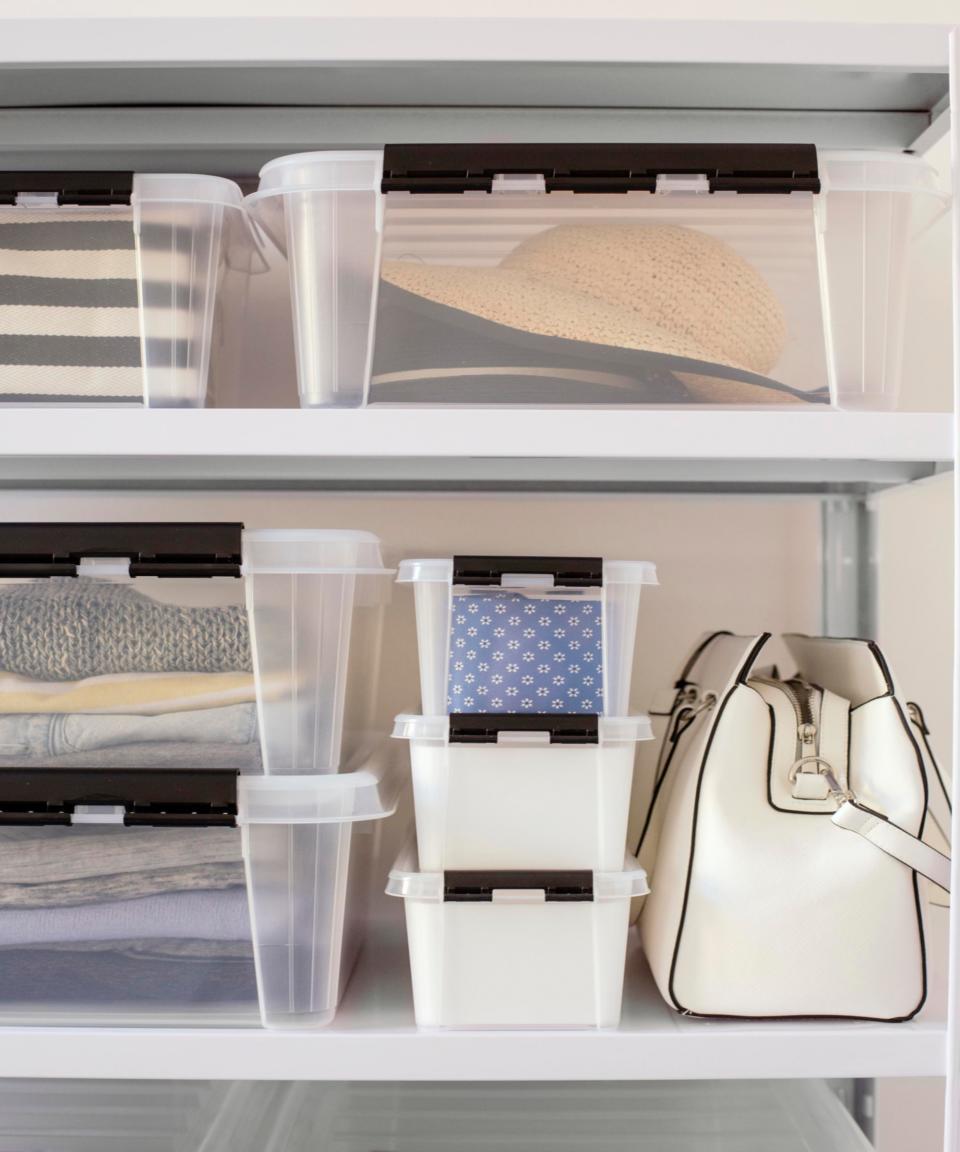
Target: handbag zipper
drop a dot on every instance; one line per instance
(806, 701)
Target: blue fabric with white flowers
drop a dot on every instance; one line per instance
(513, 653)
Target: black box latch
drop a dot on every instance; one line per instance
(486, 727)
(80, 188)
(594, 167)
(571, 886)
(567, 571)
(161, 549)
(169, 797)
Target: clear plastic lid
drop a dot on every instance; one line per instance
(370, 792)
(406, 880)
(852, 171)
(312, 550)
(185, 188)
(440, 571)
(359, 171)
(436, 729)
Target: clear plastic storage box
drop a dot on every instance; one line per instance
(526, 635)
(511, 793)
(126, 646)
(597, 273)
(516, 948)
(108, 284)
(279, 1116)
(136, 899)
(236, 1116)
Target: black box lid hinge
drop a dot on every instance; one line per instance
(77, 188)
(485, 727)
(168, 797)
(175, 551)
(453, 168)
(478, 887)
(567, 571)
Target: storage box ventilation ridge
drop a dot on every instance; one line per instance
(596, 274)
(108, 285)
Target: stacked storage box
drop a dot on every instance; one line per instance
(516, 893)
(186, 746)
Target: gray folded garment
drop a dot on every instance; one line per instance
(243, 758)
(63, 983)
(221, 915)
(48, 868)
(51, 855)
(47, 734)
(72, 629)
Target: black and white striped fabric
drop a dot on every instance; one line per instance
(69, 307)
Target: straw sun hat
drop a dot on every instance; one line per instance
(701, 313)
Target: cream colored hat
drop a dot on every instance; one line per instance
(652, 287)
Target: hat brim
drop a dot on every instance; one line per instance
(434, 353)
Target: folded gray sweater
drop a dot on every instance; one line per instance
(68, 629)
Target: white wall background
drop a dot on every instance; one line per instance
(874, 11)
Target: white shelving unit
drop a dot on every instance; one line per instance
(223, 90)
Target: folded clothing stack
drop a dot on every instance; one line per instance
(94, 674)
(94, 916)
(69, 312)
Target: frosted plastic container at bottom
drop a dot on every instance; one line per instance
(517, 958)
(522, 802)
(308, 844)
(238, 1116)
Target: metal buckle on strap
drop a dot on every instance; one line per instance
(824, 768)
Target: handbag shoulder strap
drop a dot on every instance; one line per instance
(897, 842)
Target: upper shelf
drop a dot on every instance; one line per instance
(481, 449)
(154, 93)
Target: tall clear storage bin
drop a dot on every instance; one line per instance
(109, 285)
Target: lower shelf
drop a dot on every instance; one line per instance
(374, 1038)
(176, 1116)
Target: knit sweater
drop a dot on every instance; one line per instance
(70, 629)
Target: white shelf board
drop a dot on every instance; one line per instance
(347, 41)
(411, 448)
(374, 1037)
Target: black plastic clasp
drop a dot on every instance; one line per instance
(182, 551)
(567, 571)
(169, 797)
(593, 167)
(485, 727)
(80, 188)
(571, 886)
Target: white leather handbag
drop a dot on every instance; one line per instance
(785, 836)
